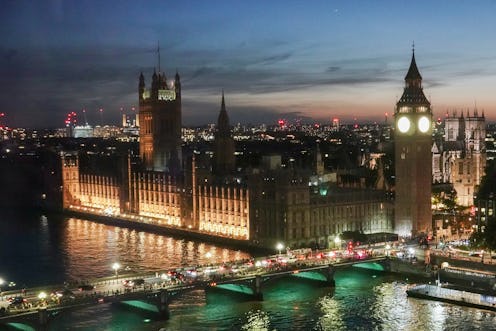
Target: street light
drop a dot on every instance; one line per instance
(208, 255)
(116, 266)
(388, 247)
(279, 247)
(42, 296)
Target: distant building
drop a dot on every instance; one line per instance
(459, 155)
(130, 120)
(82, 131)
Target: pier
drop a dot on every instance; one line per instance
(453, 296)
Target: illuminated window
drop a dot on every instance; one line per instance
(166, 95)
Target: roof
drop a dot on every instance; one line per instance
(413, 72)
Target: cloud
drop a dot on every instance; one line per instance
(53, 81)
(269, 60)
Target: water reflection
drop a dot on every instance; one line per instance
(90, 249)
(331, 318)
(257, 320)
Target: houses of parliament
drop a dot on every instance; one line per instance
(168, 186)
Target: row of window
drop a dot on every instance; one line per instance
(215, 218)
(158, 197)
(222, 204)
(99, 190)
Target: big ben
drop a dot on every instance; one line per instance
(413, 157)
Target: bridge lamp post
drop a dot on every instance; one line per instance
(42, 296)
(388, 247)
(116, 266)
(279, 247)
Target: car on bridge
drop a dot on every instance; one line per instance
(86, 287)
(63, 295)
(17, 302)
(4, 307)
(139, 281)
(128, 283)
(475, 254)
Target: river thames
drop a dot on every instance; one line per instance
(36, 251)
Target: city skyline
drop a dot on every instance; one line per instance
(273, 60)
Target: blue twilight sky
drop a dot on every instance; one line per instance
(274, 59)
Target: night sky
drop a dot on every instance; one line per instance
(311, 60)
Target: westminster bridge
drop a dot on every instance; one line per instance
(35, 307)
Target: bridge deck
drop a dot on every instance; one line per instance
(110, 289)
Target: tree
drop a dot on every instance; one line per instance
(490, 234)
(488, 182)
(477, 240)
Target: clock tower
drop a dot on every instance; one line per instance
(413, 157)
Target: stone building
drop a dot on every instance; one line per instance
(459, 155)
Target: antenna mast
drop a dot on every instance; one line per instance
(158, 53)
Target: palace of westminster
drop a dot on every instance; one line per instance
(272, 202)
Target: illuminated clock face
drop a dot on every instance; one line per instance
(424, 124)
(403, 124)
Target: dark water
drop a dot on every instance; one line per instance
(35, 251)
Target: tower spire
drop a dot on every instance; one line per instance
(413, 72)
(223, 103)
(224, 142)
(413, 91)
(223, 126)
